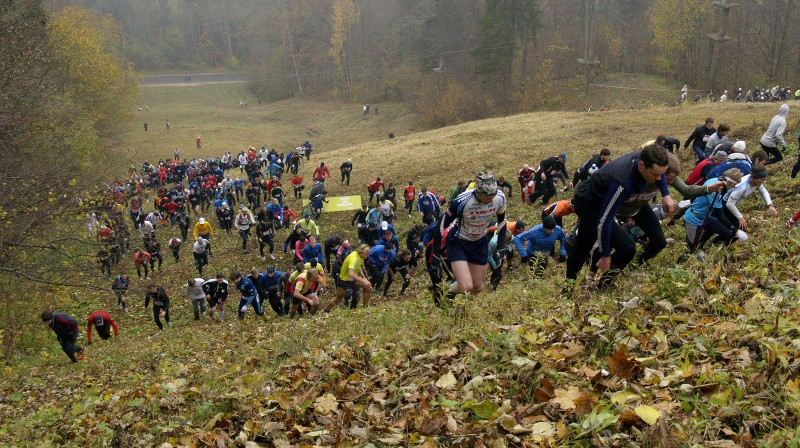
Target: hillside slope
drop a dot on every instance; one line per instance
(708, 356)
(212, 112)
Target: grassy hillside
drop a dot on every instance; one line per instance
(212, 112)
(709, 357)
(619, 91)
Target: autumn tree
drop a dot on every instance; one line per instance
(679, 28)
(65, 87)
(345, 14)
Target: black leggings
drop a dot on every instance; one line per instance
(796, 166)
(544, 189)
(153, 258)
(775, 153)
(104, 331)
(390, 279)
(157, 314)
(274, 299)
(622, 242)
(70, 346)
(262, 243)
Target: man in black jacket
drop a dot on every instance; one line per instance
(216, 290)
(329, 248)
(66, 330)
(625, 186)
(593, 164)
(360, 218)
(346, 168)
(545, 178)
(700, 137)
(669, 143)
(160, 304)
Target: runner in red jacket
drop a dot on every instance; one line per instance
(321, 171)
(103, 323)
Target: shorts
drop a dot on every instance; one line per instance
(351, 288)
(214, 301)
(474, 252)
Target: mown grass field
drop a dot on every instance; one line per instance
(212, 112)
(524, 367)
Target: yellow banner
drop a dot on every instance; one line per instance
(339, 204)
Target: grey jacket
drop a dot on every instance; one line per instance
(774, 134)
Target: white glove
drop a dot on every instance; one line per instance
(243, 309)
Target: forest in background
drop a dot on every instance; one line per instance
(480, 57)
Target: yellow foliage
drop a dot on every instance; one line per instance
(345, 14)
(675, 24)
(101, 82)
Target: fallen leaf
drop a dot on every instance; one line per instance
(566, 398)
(625, 397)
(482, 410)
(521, 361)
(433, 424)
(571, 349)
(623, 365)
(446, 381)
(648, 414)
(326, 404)
(546, 391)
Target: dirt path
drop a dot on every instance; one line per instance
(194, 79)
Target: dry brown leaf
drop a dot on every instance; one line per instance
(571, 349)
(566, 398)
(546, 391)
(326, 404)
(623, 365)
(433, 424)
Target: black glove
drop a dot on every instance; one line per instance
(526, 260)
(562, 258)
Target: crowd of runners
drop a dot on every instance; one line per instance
(454, 237)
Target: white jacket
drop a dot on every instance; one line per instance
(741, 191)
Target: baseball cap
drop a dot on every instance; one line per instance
(721, 155)
(563, 155)
(202, 221)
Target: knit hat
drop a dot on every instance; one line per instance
(740, 146)
(549, 222)
(47, 316)
(758, 172)
(485, 183)
(721, 155)
(563, 155)
(520, 224)
(98, 320)
(202, 221)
